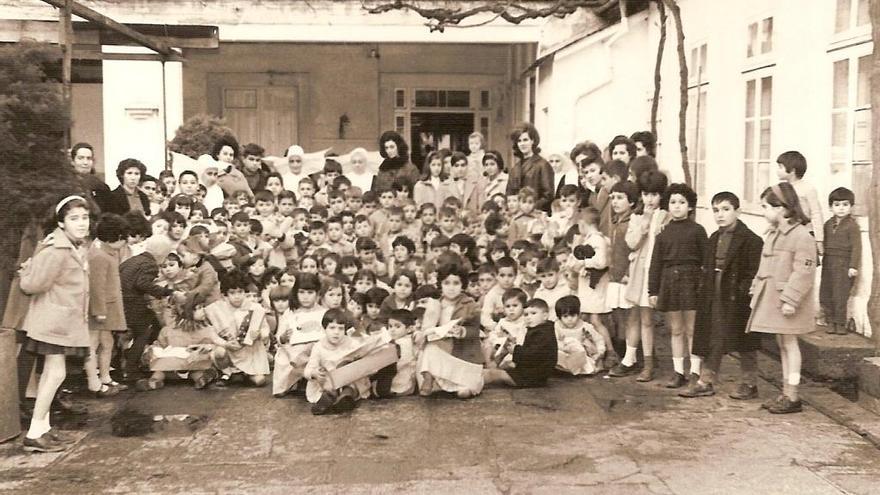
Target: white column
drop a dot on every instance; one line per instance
(135, 111)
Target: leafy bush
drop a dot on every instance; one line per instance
(198, 134)
(33, 118)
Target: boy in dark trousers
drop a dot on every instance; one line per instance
(535, 359)
(840, 264)
(730, 262)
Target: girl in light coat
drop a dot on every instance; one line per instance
(57, 278)
(782, 292)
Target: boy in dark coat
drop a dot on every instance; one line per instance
(535, 358)
(840, 263)
(731, 261)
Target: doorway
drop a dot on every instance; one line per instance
(431, 131)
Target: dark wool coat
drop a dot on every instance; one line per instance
(534, 172)
(740, 266)
(396, 168)
(536, 358)
(138, 280)
(468, 347)
(118, 202)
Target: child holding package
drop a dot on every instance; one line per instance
(298, 329)
(782, 292)
(511, 328)
(190, 345)
(729, 265)
(840, 264)
(534, 359)
(243, 322)
(580, 346)
(331, 352)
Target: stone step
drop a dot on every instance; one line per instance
(869, 377)
(829, 357)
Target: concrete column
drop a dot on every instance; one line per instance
(139, 112)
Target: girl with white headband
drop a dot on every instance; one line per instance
(57, 279)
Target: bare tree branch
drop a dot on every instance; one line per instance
(683, 86)
(655, 103)
(439, 18)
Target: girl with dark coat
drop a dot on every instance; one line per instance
(730, 263)
(127, 196)
(395, 164)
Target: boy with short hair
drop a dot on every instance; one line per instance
(448, 221)
(254, 171)
(493, 303)
(613, 172)
(624, 196)
(527, 221)
(730, 262)
(393, 228)
(318, 237)
(840, 264)
(552, 287)
(335, 238)
(791, 167)
(379, 218)
(286, 203)
(535, 358)
(528, 271)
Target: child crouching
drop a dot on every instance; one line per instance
(190, 344)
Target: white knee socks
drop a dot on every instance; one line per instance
(38, 427)
(678, 365)
(629, 358)
(695, 364)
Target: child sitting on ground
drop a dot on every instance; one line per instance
(243, 322)
(535, 358)
(580, 346)
(189, 344)
(298, 329)
(332, 351)
(511, 328)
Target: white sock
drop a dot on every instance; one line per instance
(629, 358)
(794, 378)
(678, 365)
(695, 364)
(38, 427)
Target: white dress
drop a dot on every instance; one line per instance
(593, 299)
(291, 359)
(579, 349)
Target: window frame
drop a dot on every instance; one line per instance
(751, 190)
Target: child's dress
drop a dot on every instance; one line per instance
(592, 295)
(641, 242)
(579, 349)
(456, 364)
(551, 296)
(676, 265)
(290, 357)
(248, 326)
(504, 329)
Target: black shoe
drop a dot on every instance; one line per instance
(745, 392)
(344, 404)
(786, 406)
(698, 389)
(767, 404)
(59, 436)
(43, 444)
(623, 370)
(65, 405)
(323, 405)
(678, 380)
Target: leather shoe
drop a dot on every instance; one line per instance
(786, 406)
(43, 444)
(745, 392)
(677, 381)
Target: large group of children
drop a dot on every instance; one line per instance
(355, 282)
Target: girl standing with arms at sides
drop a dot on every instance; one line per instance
(106, 314)
(674, 276)
(434, 186)
(644, 226)
(530, 169)
(56, 324)
(493, 170)
(782, 292)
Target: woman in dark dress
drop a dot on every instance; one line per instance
(395, 164)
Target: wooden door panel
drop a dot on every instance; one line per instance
(278, 118)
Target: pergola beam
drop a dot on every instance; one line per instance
(90, 15)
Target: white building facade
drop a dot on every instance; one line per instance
(765, 77)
